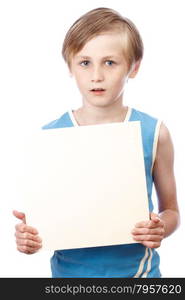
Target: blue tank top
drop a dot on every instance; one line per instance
(125, 261)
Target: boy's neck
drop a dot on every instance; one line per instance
(98, 115)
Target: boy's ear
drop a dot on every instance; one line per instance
(134, 69)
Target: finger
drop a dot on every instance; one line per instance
(28, 243)
(26, 249)
(152, 231)
(151, 244)
(19, 215)
(141, 224)
(25, 228)
(157, 222)
(154, 217)
(147, 237)
(149, 224)
(28, 236)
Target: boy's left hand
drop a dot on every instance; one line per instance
(149, 233)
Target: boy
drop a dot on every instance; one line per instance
(103, 50)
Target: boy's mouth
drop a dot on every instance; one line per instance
(97, 91)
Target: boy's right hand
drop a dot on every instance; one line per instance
(27, 238)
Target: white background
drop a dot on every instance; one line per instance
(36, 88)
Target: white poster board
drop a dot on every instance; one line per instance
(85, 186)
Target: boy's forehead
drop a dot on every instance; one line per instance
(105, 45)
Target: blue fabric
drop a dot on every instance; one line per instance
(63, 121)
(118, 260)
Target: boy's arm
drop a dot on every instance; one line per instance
(164, 180)
(151, 233)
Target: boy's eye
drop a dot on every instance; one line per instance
(84, 63)
(110, 62)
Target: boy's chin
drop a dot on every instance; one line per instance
(100, 102)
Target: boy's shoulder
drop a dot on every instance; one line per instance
(150, 125)
(143, 116)
(63, 121)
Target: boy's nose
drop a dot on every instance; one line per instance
(97, 75)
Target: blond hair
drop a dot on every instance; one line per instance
(96, 22)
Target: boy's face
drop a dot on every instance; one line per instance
(101, 65)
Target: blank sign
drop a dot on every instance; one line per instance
(84, 186)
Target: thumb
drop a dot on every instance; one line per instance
(154, 217)
(19, 215)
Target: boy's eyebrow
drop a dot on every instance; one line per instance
(105, 57)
